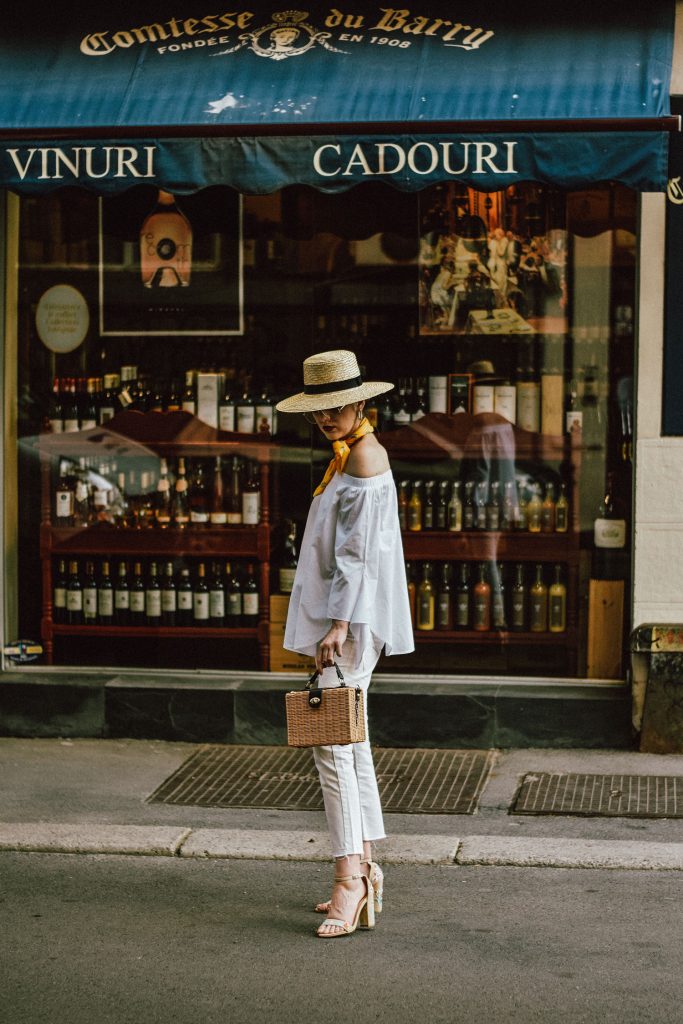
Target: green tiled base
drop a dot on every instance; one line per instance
(236, 708)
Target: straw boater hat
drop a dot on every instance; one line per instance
(330, 379)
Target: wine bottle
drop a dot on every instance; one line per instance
(480, 506)
(105, 597)
(444, 608)
(101, 494)
(235, 498)
(462, 598)
(403, 501)
(441, 518)
(200, 598)
(169, 597)
(153, 597)
(518, 601)
(199, 498)
(64, 496)
(508, 507)
(89, 595)
(82, 496)
(415, 508)
(218, 515)
(468, 510)
(251, 497)
(493, 507)
(122, 597)
(401, 414)
(250, 598)
(534, 511)
(226, 410)
(246, 414)
(610, 535)
(74, 597)
(56, 410)
(185, 613)
(428, 506)
(180, 507)
(266, 415)
(522, 514)
(70, 407)
(426, 600)
(557, 604)
(412, 591)
(498, 616)
(137, 597)
(385, 414)
(562, 511)
(89, 418)
(574, 413)
(174, 402)
(234, 593)
(108, 404)
(289, 561)
(59, 594)
(482, 602)
(455, 516)
(189, 401)
(610, 523)
(216, 598)
(420, 408)
(538, 602)
(548, 510)
(162, 509)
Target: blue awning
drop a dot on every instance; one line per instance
(313, 95)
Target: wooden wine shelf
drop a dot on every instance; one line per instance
(132, 433)
(485, 546)
(568, 638)
(166, 632)
(434, 437)
(105, 541)
(440, 436)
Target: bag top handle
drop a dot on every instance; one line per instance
(314, 677)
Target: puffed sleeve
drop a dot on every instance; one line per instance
(357, 552)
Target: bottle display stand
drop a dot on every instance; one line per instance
(438, 438)
(154, 434)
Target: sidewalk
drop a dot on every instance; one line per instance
(89, 796)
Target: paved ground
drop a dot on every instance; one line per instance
(125, 940)
(67, 795)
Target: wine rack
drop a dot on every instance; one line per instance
(171, 434)
(444, 441)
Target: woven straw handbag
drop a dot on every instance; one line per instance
(320, 717)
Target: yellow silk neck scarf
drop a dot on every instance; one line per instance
(342, 450)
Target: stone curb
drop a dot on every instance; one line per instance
(570, 853)
(253, 844)
(141, 840)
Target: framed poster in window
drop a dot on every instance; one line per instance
(171, 265)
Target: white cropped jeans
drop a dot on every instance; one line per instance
(347, 775)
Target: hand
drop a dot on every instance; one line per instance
(331, 645)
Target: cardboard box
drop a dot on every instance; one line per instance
(209, 386)
(280, 659)
(460, 392)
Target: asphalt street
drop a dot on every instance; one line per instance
(125, 940)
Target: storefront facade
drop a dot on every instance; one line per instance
(479, 222)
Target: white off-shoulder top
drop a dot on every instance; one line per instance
(351, 567)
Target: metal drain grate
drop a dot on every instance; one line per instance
(410, 781)
(610, 796)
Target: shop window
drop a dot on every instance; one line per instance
(161, 501)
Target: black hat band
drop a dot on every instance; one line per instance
(335, 385)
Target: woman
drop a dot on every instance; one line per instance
(349, 601)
